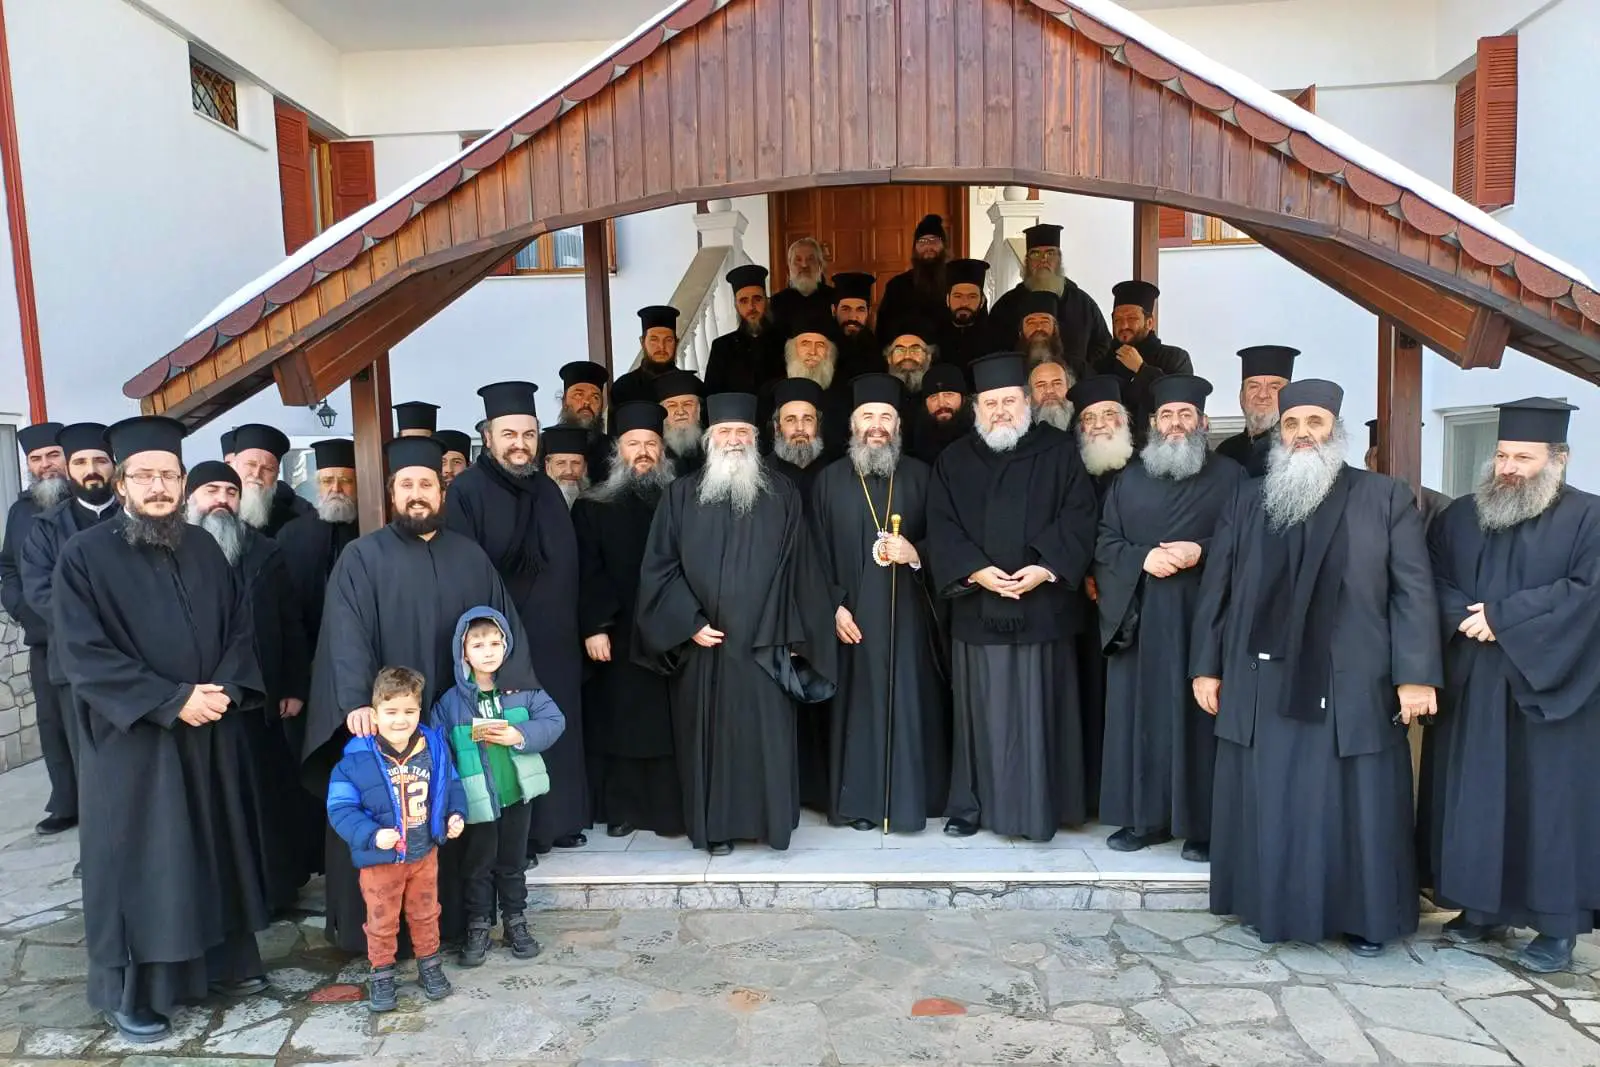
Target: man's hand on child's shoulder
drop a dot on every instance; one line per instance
(387, 839)
(359, 723)
(453, 827)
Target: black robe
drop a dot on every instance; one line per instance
(1159, 361)
(1085, 338)
(755, 578)
(1159, 745)
(861, 354)
(787, 304)
(19, 522)
(639, 383)
(740, 363)
(1312, 811)
(524, 527)
(311, 548)
(802, 477)
(1250, 452)
(927, 439)
(287, 505)
(1031, 505)
(393, 601)
(633, 774)
(909, 741)
(1510, 800)
(48, 535)
(903, 301)
(169, 830)
(962, 345)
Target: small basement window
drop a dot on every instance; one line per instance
(215, 95)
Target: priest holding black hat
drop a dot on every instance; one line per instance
(312, 543)
(514, 511)
(173, 891)
(733, 610)
(1138, 357)
(1265, 369)
(1508, 783)
(658, 355)
(1085, 338)
(750, 355)
(919, 292)
(1315, 643)
(1011, 529)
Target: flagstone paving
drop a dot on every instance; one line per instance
(835, 988)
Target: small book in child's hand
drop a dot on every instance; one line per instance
(482, 728)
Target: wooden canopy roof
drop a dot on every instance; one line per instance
(721, 98)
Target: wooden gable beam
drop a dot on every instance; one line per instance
(1486, 340)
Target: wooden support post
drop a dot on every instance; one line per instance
(1146, 242)
(597, 292)
(1399, 404)
(369, 414)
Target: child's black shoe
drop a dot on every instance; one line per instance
(477, 946)
(380, 989)
(523, 946)
(431, 977)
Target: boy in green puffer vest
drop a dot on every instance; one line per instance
(496, 738)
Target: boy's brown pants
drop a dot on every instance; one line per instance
(395, 887)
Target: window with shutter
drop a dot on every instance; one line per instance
(1464, 178)
(295, 183)
(1173, 228)
(1484, 167)
(352, 178)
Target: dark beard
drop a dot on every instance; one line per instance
(519, 470)
(150, 531)
(757, 328)
(419, 527)
(581, 419)
(47, 492)
(99, 496)
(927, 276)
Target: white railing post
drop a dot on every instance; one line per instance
(1011, 214)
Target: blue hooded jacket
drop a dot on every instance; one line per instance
(362, 800)
(532, 712)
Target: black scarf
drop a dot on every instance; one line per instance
(1005, 538)
(1295, 613)
(524, 557)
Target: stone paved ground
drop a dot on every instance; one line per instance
(951, 986)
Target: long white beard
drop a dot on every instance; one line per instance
(255, 504)
(875, 461)
(800, 455)
(225, 528)
(733, 475)
(1057, 413)
(911, 379)
(805, 284)
(1258, 423)
(336, 507)
(1100, 456)
(822, 373)
(1501, 507)
(682, 441)
(572, 490)
(48, 492)
(1297, 482)
(1178, 460)
(623, 479)
(1005, 438)
(1047, 280)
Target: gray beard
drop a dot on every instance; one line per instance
(805, 284)
(911, 379)
(1176, 461)
(255, 505)
(682, 441)
(149, 531)
(822, 373)
(336, 508)
(1257, 424)
(1099, 456)
(581, 419)
(225, 528)
(623, 479)
(571, 490)
(875, 461)
(801, 456)
(1501, 507)
(1047, 280)
(1049, 350)
(731, 477)
(1005, 438)
(48, 492)
(1298, 482)
(756, 328)
(1057, 413)
(519, 470)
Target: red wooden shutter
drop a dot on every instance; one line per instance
(1464, 170)
(1173, 228)
(355, 184)
(294, 175)
(1495, 132)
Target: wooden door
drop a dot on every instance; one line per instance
(865, 227)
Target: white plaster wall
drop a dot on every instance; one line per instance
(1459, 24)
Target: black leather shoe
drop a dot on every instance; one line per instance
(620, 829)
(1362, 947)
(720, 848)
(1546, 955)
(54, 824)
(960, 828)
(863, 824)
(571, 841)
(1464, 932)
(1197, 851)
(1128, 839)
(140, 1026)
(244, 987)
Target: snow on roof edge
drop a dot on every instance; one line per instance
(345, 227)
(1318, 129)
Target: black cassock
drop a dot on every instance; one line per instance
(287, 505)
(1510, 799)
(790, 304)
(310, 549)
(740, 363)
(904, 302)
(1159, 745)
(811, 724)
(927, 438)
(1160, 360)
(755, 578)
(963, 344)
(868, 739)
(524, 526)
(173, 884)
(1085, 338)
(633, 774)
(393, 601)
(1017, 760)
(637, 384)
(1312, 811)
(1249, 452)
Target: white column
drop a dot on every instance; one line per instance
(1011, 215)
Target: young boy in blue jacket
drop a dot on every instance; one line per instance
(394, 798)
(496, 737)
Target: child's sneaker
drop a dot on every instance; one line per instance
(477, 946)
(380, 990)
(431, 977)
(523, 946)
